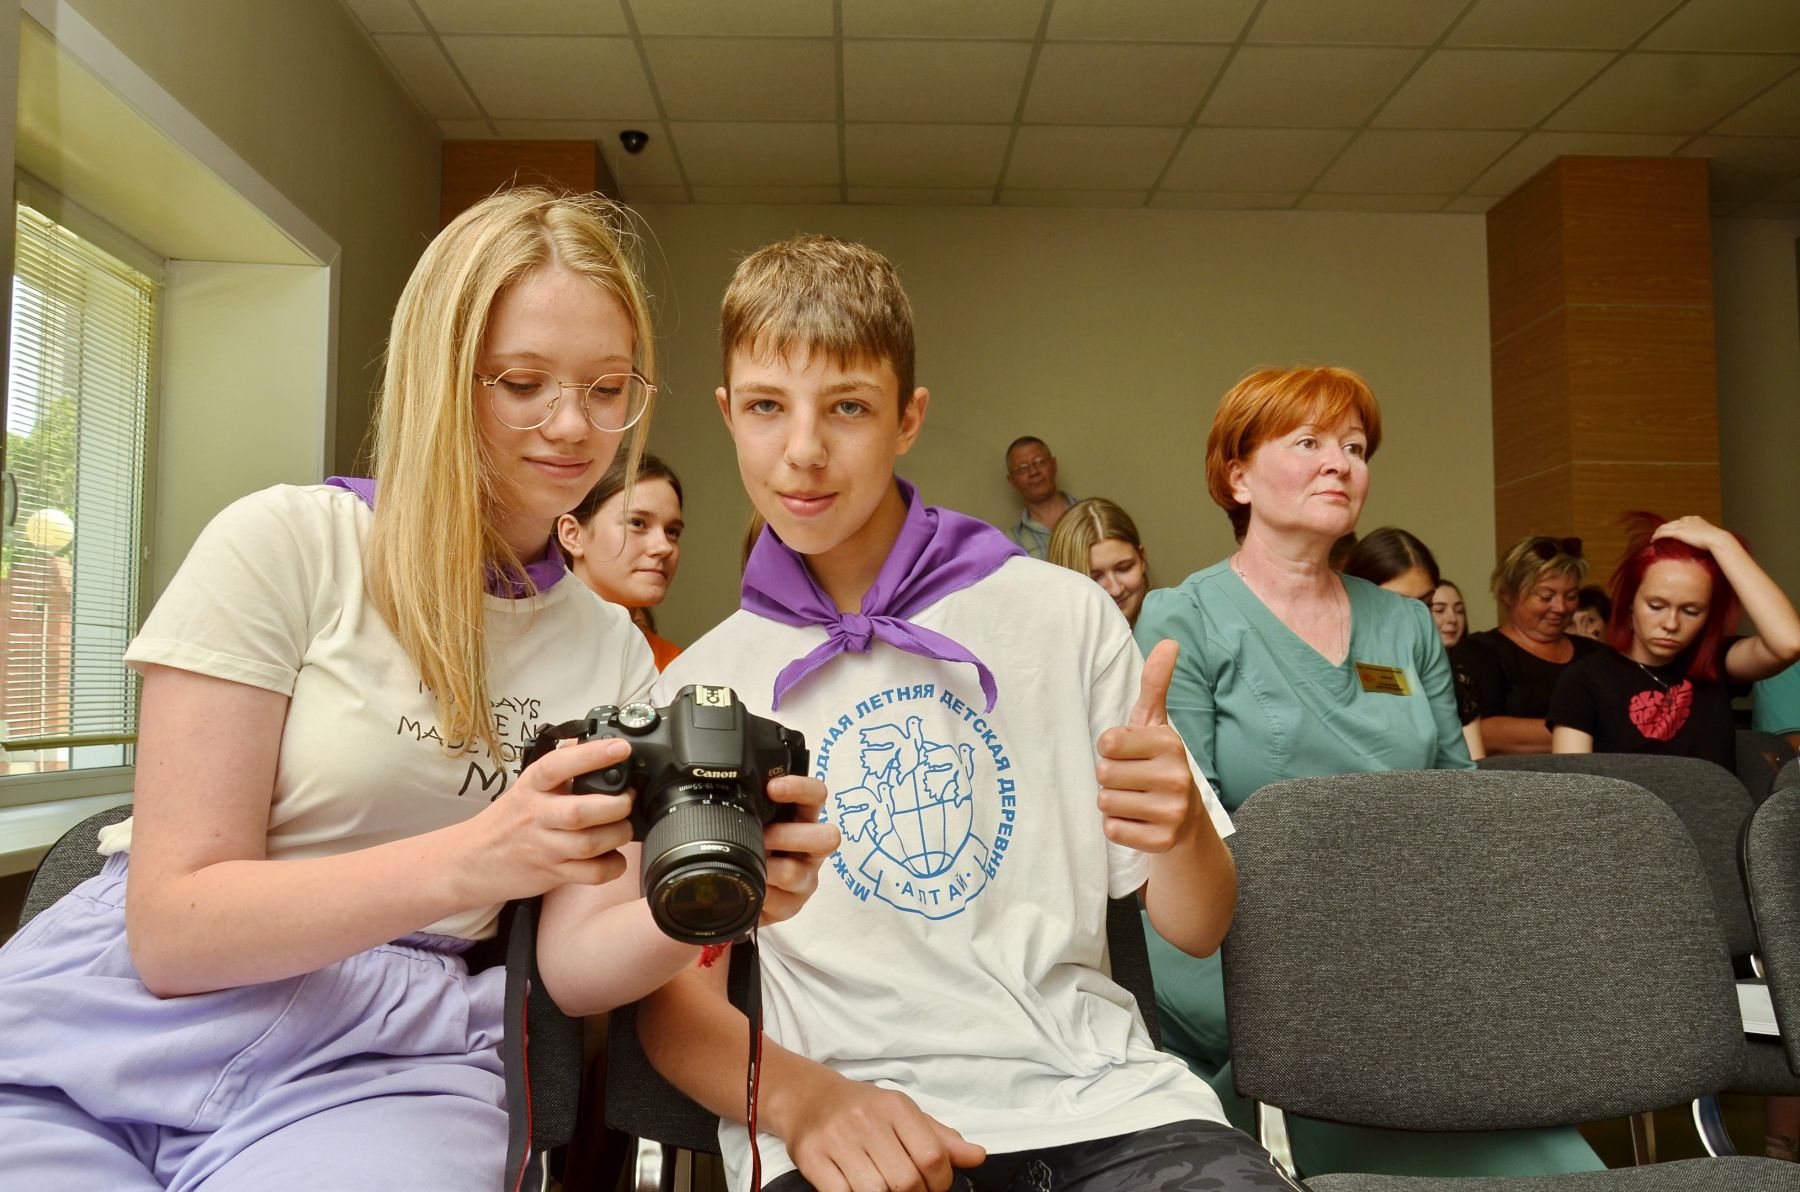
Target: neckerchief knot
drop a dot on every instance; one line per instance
(938, 551)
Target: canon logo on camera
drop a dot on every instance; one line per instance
(726, 774)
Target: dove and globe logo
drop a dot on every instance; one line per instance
(922, 791)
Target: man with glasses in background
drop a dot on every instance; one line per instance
(1031, 469)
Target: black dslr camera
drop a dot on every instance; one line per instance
(699, 767)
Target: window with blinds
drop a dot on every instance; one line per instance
(70, 548)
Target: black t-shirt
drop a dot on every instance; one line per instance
(1504, 679)
(1631, 708)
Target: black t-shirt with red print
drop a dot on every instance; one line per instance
(1628, 707)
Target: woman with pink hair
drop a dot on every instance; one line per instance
(1665, 686)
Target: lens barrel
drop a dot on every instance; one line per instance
(704, 870)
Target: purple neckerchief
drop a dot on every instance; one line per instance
(938, 551)
(544, 572)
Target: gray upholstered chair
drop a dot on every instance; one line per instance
(1788, 775)
(1772, 871)
(1710, 802)
(1444, 950)
(639, 1102)
(1759, 757)
(542, 1095)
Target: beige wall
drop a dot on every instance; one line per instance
(1757, 305)
(1112, 334)
(298, 92)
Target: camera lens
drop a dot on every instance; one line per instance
(704, 871)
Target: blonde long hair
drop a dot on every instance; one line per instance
(434, 537)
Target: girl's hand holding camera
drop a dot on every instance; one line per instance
(796, 847)
(538, 835)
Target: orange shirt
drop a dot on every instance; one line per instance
(661, 648)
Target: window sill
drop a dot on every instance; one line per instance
(27, 832)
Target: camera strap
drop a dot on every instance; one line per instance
(745, 974)
(549, 734)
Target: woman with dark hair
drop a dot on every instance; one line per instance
(1665, 686)
(1393, 559)
(1448, 613)
(1593, 609)
(624, 542)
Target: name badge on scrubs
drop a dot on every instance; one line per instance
(1383, 680)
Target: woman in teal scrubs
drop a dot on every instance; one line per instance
(1289, 670)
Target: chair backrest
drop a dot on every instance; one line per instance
(73, 859)
(1759, 757)
(1772, 870)
(643, 1104)
(1709, 800)
(1445, 950)
(1788, 776)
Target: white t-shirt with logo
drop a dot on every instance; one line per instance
(956, 947)
(272, 595)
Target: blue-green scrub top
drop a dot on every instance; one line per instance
(1256, 705)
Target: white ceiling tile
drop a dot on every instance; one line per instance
(1389, 204)
(386, 16)
(641, 195)
(1121, 84)
(752, 195)
(1024, 197)
(465, 130)
(1539, 149)
(1771, 114)
(1489, 88)
(654, 166)
(943, 18)
(1390, 161)
(734, 18)
(554, 78)
(1471, 204)
(524, 16)
(1747, 169)
(934, 81)
(1354, 22)
(758, 154)
(1266, 159)
(1149, 20)
(1219, 200)
(925, 154)
(746, 78)
(417, 60)
(913, 196)
(1753, 25)
(1052, 155)
(1305, 87)
(1669, 92)
(1589, 24)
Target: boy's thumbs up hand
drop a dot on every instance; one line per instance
(1147, 792)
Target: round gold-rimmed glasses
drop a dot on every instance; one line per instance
(525, 398)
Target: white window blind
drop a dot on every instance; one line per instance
(77, 395)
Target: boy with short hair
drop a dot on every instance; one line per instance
(943, 1002)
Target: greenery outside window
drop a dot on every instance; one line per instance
(71, 546)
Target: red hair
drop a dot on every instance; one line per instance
(1640, 552)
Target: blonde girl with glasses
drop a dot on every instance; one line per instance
(339, 684)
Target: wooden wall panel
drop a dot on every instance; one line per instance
(1600, 311)
(1642, 383)
(1524, 248)
(474, 170)
(1636, 231)
(1531, 399)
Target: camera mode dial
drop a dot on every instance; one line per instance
(638, 719)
